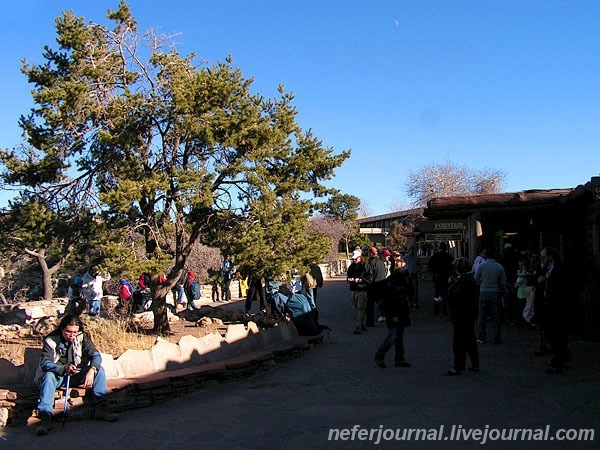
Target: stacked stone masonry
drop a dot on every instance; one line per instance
(139, 378)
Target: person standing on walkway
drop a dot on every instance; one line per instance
(390, 265)
(412, 268)
(492, 282)
(192, 290)
(479, 259)
(358, 290)
(440, 265)
(556, 311)
(256, 289)
(537, 281)
(227, 272)
(315, 272)
(394, 307)
(375, 279)
(69, 352)
(510, 261)
(462, 307)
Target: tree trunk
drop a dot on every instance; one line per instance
(159, 310)
(47, 272)
(46, 275)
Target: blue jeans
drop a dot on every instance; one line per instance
(490, 303)
(192, 306)
(50, 382)
(180, 294)
(310, 297)
(94, 307)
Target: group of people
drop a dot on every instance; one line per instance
(87, 290)
(186, 293)
(377, 277)
(307, 285)
(70, 358)
(485, 289)
(468, 293)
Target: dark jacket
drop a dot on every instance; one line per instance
(375, 276)
(58, 353)
(462, 299)
(440, 264)
(395, 300)
(357, 270)
(555, 297)
(315, 272)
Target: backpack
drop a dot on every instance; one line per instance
(193, 289)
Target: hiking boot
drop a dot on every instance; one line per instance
(45, 424)
(102, 413)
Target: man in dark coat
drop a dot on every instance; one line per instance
(462, 307)
(555, 310)
(440, 265)
(396, 312)
(358, 290)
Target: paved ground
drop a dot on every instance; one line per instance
(336, 385)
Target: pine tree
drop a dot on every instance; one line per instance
(180, 153)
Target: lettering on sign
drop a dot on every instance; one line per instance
(449, 226)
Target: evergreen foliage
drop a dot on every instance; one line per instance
(178, 153)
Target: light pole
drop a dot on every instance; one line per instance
(385, 235)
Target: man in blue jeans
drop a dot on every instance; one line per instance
(69, 352)
(491, 278)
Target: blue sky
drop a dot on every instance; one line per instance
(502, 84)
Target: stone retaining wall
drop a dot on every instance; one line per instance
(163, 360)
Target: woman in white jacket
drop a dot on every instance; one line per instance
(92, 289)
